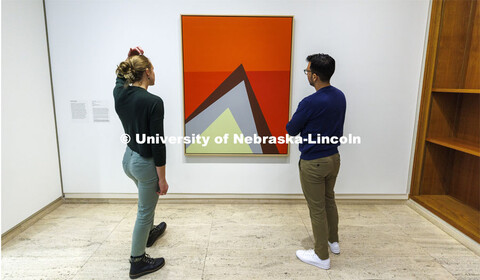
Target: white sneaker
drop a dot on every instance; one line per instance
(309, 256)
(334, 247)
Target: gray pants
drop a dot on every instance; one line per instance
(143, 172)
(318, 178)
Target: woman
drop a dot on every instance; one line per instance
(141, 113)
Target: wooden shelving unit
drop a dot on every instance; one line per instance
(446, 171)
(456, 90)
(456, 144)
(448, 208)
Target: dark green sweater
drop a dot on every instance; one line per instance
(141, 113)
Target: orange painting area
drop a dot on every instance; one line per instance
(214, 46)
(272, 90)
(217, 44)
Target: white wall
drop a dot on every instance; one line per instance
(378, 46)
(30, 169)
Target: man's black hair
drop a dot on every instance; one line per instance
(323, 65)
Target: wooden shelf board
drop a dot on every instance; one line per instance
(456, 144)
(461, 216)
(456, 90)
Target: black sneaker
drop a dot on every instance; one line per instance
(155, 233)
(144, 265)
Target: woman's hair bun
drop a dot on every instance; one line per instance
(126, 70)
(132, 69)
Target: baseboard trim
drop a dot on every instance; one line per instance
(16, 230)
(446, 227)
(219, 198)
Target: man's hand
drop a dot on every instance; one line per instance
(135, 51)
(163, 187)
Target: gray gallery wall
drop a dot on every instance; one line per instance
(30, 168)
(378, 46)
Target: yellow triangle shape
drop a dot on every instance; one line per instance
(225, 123)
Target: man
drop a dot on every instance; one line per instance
(320, 114)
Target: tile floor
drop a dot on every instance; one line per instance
(237, 241)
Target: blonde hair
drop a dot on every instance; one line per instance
(133, 67)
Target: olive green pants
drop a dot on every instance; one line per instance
(318, 178)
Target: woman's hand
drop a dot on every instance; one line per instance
(162, 182)
(135, 51)
(163, 187)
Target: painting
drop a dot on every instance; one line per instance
(236, 78)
